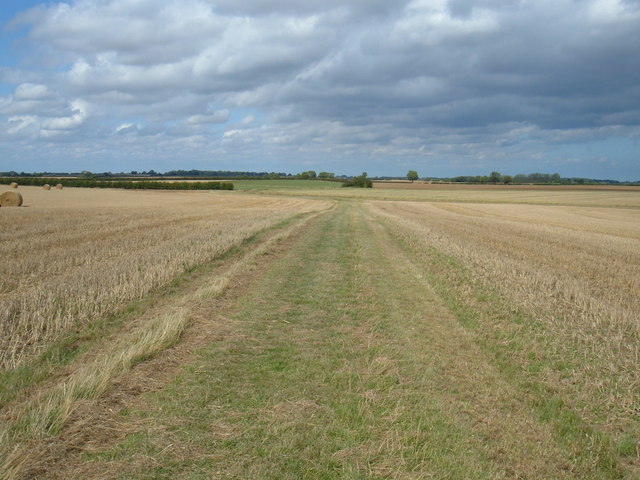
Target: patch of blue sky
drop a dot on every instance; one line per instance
(11, 38)
(239, 116)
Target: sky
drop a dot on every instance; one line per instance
(443, 87)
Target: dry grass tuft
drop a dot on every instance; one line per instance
(46, 186)
(13, 185)
(59, 186)
(46, 413)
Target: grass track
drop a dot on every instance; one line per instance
(344, 362)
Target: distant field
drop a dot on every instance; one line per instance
(607, 196)
(297, 329)
(610, 196)
(585, 195)
(284, 185)
(406, 185)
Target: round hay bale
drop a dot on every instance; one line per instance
(59, 186)
(46, 186)
(10, 199)
(13, 185)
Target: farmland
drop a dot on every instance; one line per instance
(591, 195)
(279, 331)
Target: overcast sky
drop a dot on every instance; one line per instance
(442, 87)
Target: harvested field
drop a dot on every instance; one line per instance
(461, 187)
(85, 254)
(324, 334)
(573, 270)
(596, 196)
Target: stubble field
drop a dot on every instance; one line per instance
(321, 333)
(73, 256)
(586, 195)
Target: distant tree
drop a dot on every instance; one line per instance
(86, 174)
(361, 181)
(309, 174)
(495, 177)
(326, 175)
(506, 179)
(540, 178)
(412, 175)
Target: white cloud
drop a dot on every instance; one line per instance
(232, 133)
(148, 32)
(31, 91)
(220, 116)
(127, 128)
(59, 125)
(20, 123)
(430, 22)
(613, 11)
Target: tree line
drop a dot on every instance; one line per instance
(529, 178)
(412, 175)
(125, 184)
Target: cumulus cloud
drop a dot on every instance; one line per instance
(20, 123)
(460, 82)
(78, 116)
(30, 91)
(220, 116)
